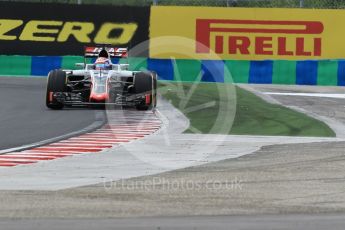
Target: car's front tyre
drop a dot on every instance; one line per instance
(56, 83)
(145, 83)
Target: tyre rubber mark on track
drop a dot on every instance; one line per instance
(122, 127)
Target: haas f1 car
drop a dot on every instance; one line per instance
(102, 83)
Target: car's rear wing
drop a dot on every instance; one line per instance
(114, 52)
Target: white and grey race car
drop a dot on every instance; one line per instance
(102, 82)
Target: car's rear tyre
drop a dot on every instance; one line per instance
(56, 83)
(144, 84)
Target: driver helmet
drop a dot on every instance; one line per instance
(102, 63)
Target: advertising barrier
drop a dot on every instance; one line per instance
(323, 72)
(271, 46)
(253, 33)
(256, 45)
(64, 29)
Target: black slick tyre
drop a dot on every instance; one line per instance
(143, 84)
(56, 83)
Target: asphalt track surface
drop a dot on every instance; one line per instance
(24, 118)
(276, 180)
(276, 222)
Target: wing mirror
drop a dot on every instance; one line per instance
(80, 65)
(124, 66)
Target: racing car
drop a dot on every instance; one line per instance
(102, 82)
